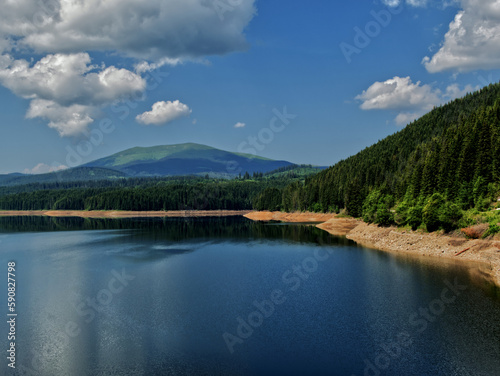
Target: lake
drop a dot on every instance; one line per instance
(228, 296)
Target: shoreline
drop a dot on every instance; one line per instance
(123, 214)
(481, 256)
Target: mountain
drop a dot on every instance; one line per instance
(167, 160)
(185, 159)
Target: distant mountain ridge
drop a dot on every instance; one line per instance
(69, 175)
(185, 159)
(157, 161)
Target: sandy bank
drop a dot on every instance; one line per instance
(483, 256)
(126, 214)
(289, 217)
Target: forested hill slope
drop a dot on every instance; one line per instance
(454, 150)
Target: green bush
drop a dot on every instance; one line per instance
(377, 208)
(493, 229)
(449, 216)
(317, 207)
(402, 211)
(370, 206)
(432, 211)
(468, 219)
(384, 216)
(414, 218)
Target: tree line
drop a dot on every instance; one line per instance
(140, 194)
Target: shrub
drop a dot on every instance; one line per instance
(317, 207)
(431, 212)
(414, 218)
(468, 219)
(492, 230)
(402, 210)
(449, 216)
(370, 206)
(471, 232)
(333, 209)
(384, 216)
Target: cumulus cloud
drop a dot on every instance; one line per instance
(164, 112)
(398, 93)
(70, 120)
(152, 29)
(240, 125)
(410, 100)
(69, 79)
(472, 41)
(67, 89)
(43, 168)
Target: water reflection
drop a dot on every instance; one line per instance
(176, 229)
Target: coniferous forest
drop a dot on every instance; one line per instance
(434, 173)
(145, 194)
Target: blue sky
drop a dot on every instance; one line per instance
(80, 81)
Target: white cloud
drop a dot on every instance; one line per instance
(417, 3)
(164, 112)
(404, 118)
(70, 120)
(454, 91)
(413, 3)
(472, 41)
(43, 168)
(151, 30)
(144, 66)
(410, 100)
(391, 3)
(70, 79)
(67, 89)
(240, 125)
(399, 93)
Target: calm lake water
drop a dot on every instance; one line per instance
(232, 297)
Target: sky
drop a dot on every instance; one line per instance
(308, 82)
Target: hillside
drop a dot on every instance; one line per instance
(185, 159)
(450, 155)
(76, 174)
(294, 171)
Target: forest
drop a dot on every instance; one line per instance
(435, 173)
(144, 194)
